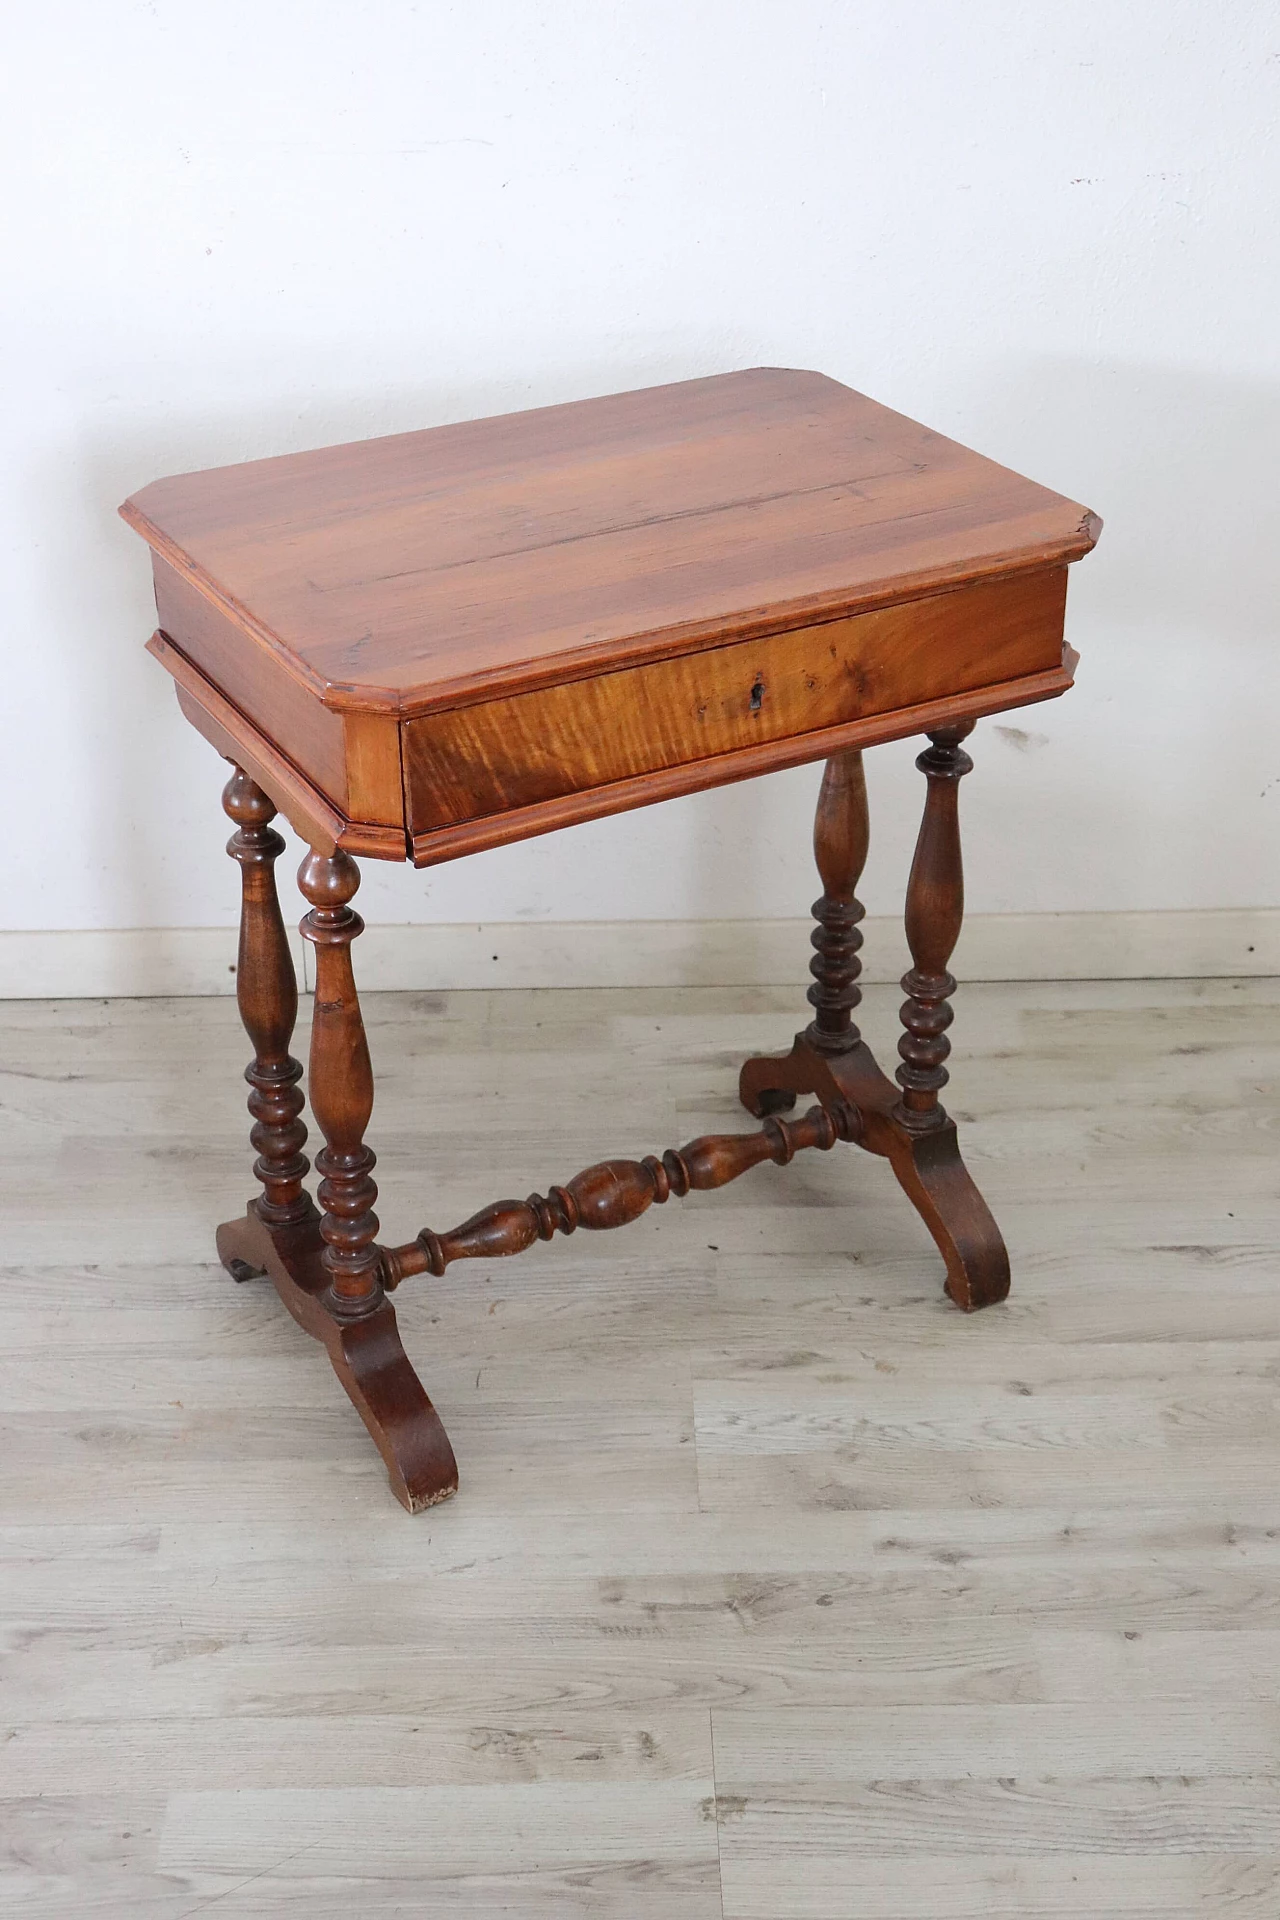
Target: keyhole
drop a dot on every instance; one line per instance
(757, 693)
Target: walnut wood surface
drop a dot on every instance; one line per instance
(444, 641)
(409, 573)
(317, 821)
(351, 759)
(267, 994)
(321, 1267)
(519, 823)
(615, 1192)
(501, 754)
(340, 1083)
(366, 1354)
(832, 1060)
(935, 912)
(307, 810)
(264, 689)
(841, 839)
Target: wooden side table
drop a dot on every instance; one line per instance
(420, 646)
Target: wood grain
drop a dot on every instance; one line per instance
(438, 844)
(486, 758)
(264, 690)
(404, 574)
(235, 737)
(439, 642)
(267, 994)
(669, 1647)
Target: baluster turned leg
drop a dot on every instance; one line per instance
(326, 1268)
(267, 992)
(359, 1323)
(935, 911)
(923, 1148)
(841, 836)
(904, 1123)
(341, 1087)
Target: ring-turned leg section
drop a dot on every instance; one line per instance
(325, 1269)
(267, 992)
(906, 1124)
(841, 836)
(280, 1229)
(927, 1159)
(357, 1321)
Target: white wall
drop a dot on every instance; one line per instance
(236, 229)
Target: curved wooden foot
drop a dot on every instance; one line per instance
(241, 1271)
(391, 1400)
(772, 1083)
(928, 1166)
(904, 1124)
(941, 1189)
(366, 1354)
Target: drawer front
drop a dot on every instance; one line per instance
(470, 763)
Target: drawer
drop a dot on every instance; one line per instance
(469, 763)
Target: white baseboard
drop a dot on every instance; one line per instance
(1211, 944)
(98, 963)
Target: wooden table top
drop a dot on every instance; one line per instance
(416, 573)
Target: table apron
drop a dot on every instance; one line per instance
(472, 762)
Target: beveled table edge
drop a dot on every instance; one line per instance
(311, 813)
(318, 820)
(583, 662)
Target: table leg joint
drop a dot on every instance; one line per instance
(907, 1123)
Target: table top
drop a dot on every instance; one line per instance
(404, 574)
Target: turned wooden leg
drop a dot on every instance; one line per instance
(841, 836)
(267, 992)
(904, 1123)
(359, 1321)
(325, 1269)
(932, 1172)
(340, 1083)
(935, 911)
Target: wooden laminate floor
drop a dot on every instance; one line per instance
(775, 1587)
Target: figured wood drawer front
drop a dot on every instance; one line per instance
(471, 762)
